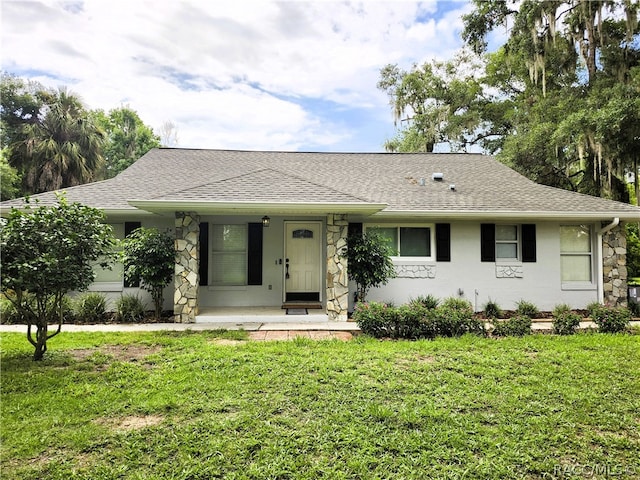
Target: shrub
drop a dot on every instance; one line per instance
(370, 264)
(517, 326)
(592, 307)
(565, 322)
(374, 318)
(427, 301)
(9, 315)
(527, 308)
(413, 322)
(634, 308)
(149, 255)
(459, 304)
(454, 318)
(610, 319)
(561, 309)
(66, 305)
(129, 309)
(91, 307)
(492, 309)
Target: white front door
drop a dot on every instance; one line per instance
(303, 260)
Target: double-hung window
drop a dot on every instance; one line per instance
(229, 254)
(407, 241)
(576, 254)
(234, 257)
(510, 243)
(507, 241)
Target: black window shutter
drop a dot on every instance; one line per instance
(528, 243)
(355, 229)
(487, 242)
(129, 227)
(254, 263)
(443, 242)
(203, 267)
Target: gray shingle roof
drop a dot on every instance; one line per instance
(483, 186)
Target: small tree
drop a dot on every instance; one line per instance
(369, 262)
(48, 251)
(149, 255)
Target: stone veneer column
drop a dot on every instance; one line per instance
(186, 278)
(337, 278)
(614, 266)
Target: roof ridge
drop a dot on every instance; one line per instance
(253, 173)
(198, 185)
(323, 186)
(311, 152)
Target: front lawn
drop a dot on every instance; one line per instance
(212, 405)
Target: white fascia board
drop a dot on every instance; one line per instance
(125, 212)
(109, 212)
(508, 215)
(271, 208)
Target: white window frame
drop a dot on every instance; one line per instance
(212, 253)
(517, 242)
(580, 284)
(398, 226)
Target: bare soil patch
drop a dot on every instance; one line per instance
(130, 423)
(122, 353)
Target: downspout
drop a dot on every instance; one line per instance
(600, 260)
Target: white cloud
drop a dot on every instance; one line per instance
(236, 74)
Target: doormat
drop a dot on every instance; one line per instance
(296, 311)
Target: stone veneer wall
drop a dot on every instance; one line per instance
(614, 266)
(337, 278)
(186, 278)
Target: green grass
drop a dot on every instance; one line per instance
(210, 405)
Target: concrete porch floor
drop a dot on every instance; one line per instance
(269, 319)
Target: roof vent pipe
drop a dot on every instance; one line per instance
(437, 177)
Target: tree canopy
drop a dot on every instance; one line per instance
(149, 255)
(62, 148)
(48, 251)
(559, 101)
(370, 264)
(128, 138)
(53, 140)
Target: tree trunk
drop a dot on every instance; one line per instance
(41, 342)
(635, 179)
(157, 301)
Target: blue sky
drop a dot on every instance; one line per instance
(298, 75)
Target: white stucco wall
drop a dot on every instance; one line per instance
(467, 277)
(539, 283)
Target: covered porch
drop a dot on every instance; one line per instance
(264, 238)
(317, 242)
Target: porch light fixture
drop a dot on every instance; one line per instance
(265, 221)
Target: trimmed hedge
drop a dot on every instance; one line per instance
(416, 321)
(516, 326)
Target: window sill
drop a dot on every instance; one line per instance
(579, 286)
(227, 288)
(413, 260)
(106, 287)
